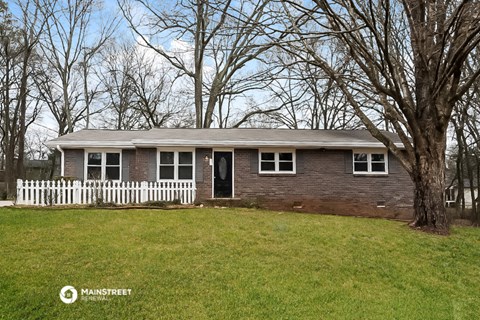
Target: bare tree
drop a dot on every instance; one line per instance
(70, 42)
(138, 89)
(8, 57)
(221, 39)
(309, 98)
(18, 39)
(409, 56)
(159, 102)
(32, 27)
(115, 74)
(466, 124)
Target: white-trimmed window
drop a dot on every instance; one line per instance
(175, 165)
(371, 162)
(103, 165)
(282, 161)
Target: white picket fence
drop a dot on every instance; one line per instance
(64, 192)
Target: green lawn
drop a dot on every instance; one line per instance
(233, 263)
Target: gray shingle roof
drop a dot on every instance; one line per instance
(221, 138)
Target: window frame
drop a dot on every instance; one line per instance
(369, 153)
(277, 161)
(176, 163)
(103, 164)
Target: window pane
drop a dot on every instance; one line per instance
(185, 172)
(95, 158)
(286, 166)
(268, 166)
(361, 167)
(185, 157)
(286, 156)
(360, 157)
(113, 159)
(268, 156)
(378, 167)
(166, 172)
(166, 158)
(112, 173)
(378, 157)
(94, 173)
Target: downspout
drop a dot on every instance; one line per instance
(62, 165)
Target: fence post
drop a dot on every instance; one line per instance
(143, 191)
(19, 199)
(43, 201)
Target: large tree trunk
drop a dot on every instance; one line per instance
(429, 196)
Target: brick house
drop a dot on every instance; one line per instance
(329, 171)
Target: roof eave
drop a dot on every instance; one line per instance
(145, 143)
(259, 144)
(90, 144)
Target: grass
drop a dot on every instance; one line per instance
(233, 263)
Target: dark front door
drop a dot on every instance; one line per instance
(222, 174)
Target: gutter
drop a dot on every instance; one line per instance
(62, 161)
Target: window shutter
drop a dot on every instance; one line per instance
(254, 161)
(152, 165)
(126, 156)
(300, 159)
(79, 156)
(394, 165)
(348, 161)
(199, 154)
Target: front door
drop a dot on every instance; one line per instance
(222, 174)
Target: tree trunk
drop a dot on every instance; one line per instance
(198, 99)
(429, 198)
(23, 110)
(66, 104)
(212, 101)
(9, 174)
(198, 58)
(8, 138)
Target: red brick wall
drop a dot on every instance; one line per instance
(324, 186)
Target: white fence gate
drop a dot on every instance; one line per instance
(43, 193)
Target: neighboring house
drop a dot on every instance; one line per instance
(328, 171)
(38, 169)
(451, 193)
